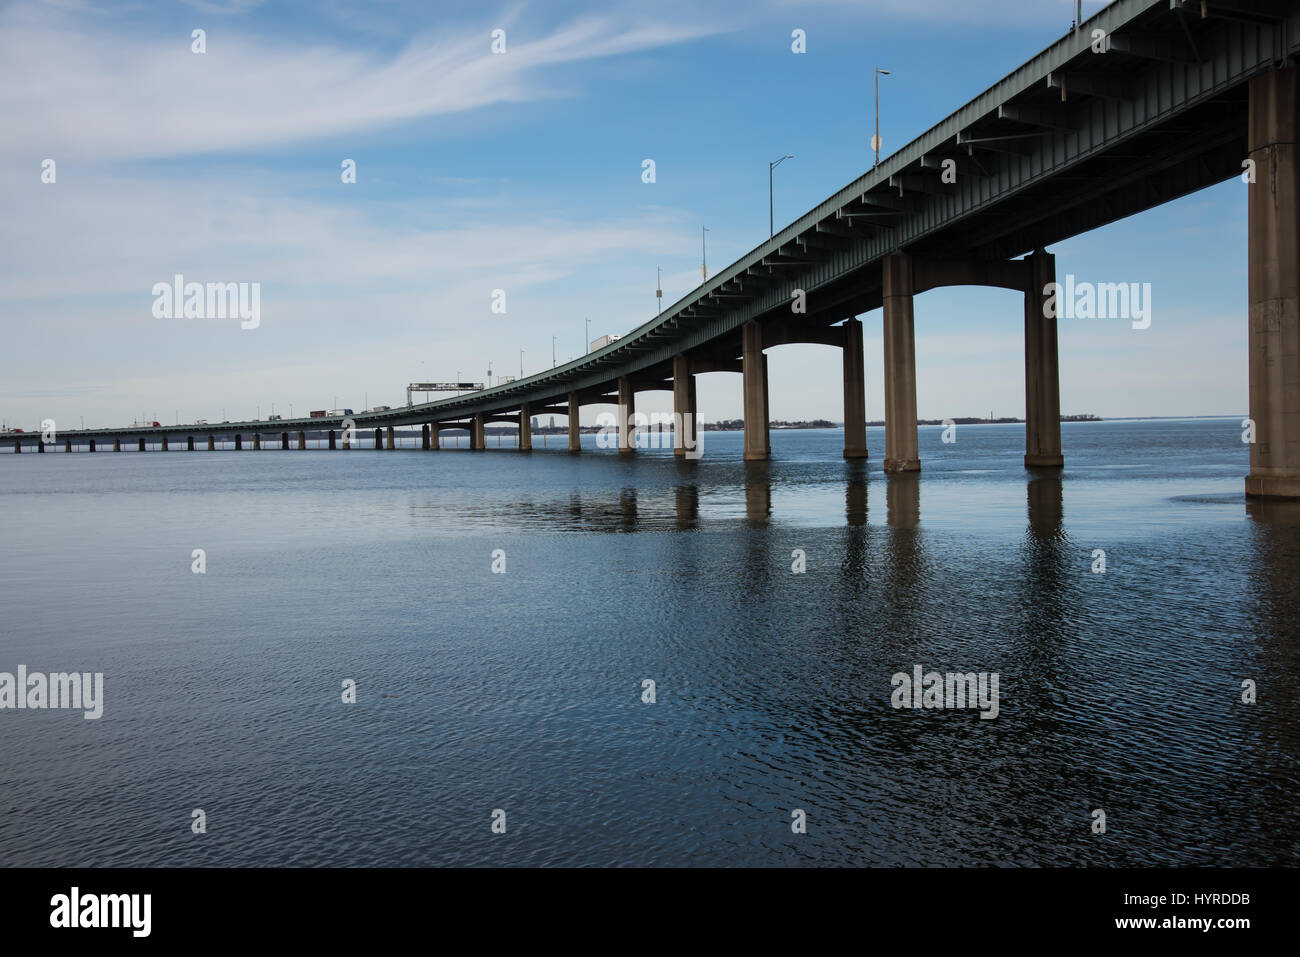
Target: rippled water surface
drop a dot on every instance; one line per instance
(522, 691)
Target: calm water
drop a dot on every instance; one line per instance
(522, 691)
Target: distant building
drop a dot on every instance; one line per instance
(552, 421)
(533, 426)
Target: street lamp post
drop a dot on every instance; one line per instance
(704, 255)
(521, 363)
(553, 338)
(587, 347)
(771, 231)
(875, 140)
(659, 287)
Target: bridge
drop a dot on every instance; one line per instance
(1144, 102)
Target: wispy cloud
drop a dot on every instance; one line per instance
(69, 91)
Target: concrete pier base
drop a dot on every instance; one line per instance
(525, 428)
(257, 441)
(754, 373)
(424, 437)
(18, 447)
(189, 443)
(212, 443)
(435, 439)
(379, 439)
(626, 410)
(164, 443)
(902, 447)
(855, 391)
(575, 433)
(40, 446)
(141, 444)
(67, 445)
(92, 446)
(1042, 369)
(685, 434)
(117, 445)
(1273, 203)
(477, 435)
(389, 441)
(332, 438)
(239, 442)
(302, 440)
(284, 441)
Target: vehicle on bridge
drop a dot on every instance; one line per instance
(146, 425)
(341, 412)
(318, 414)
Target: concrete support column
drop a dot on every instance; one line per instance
(189, 443)
(1042, 370)
(40, 445)
(435, 439)
(92, 445)
(164, 443)
(67, 445)
(239, 441)
(379, 439)
(302, 440)
(626, 409)
(212, 443)
(901, 445)
(141, 444)
(424, 437)
(575, 434)
(477, 436)
(1273, 202)
(332, 438)
(117, 445)
(754, 368)
(18, 447)
(257, 441)
(685, 427)
(284, 441)
(525, 428)
(855, 392)
(389, 441)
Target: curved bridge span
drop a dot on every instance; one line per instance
(1148, 101)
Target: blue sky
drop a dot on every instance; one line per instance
(522, 172)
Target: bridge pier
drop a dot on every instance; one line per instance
(389, 441)
(67, 445)
(18, 447)
(239, 442)
(1042, 368)
(1273, 203)
(477, 436)
(525, 428)
(424, 437)
(212, 443)
(758, 443)
(284, 441)
(435, 437)
(626, 409)
(189, 443)
(40, 445)
(257, 441)
(92, 446)
(331, 438)
(379, 440)
(117, 445)
(685, 427)
(164, 443)
(575, 426)
(141, 444)
(901, 443)
(855, 391)
(302, 441)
